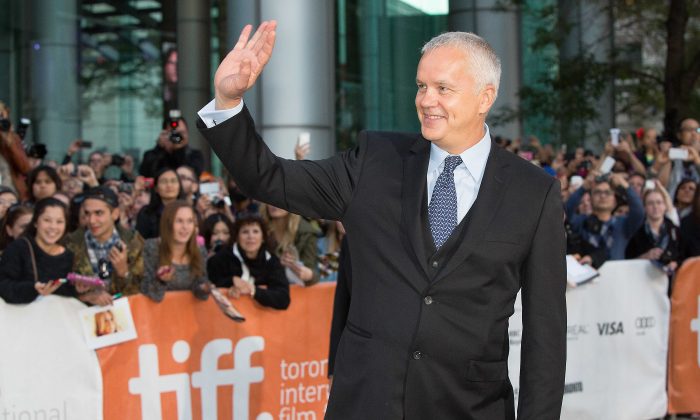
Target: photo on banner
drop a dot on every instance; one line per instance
(108, 325)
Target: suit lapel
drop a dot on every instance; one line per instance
(415, 168)
(483, 210)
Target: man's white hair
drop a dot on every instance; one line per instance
(485, 64)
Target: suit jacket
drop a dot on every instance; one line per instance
(427, 338)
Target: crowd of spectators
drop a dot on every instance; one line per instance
(169, 225)
(636, 199)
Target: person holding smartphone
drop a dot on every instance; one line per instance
(174, 261)
(32, 264)
(104, 249)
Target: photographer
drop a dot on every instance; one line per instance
(601, 229)
(14, 163)
(171, 151)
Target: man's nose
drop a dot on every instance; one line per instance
(428, 99)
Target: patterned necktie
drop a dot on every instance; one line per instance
(442, 211)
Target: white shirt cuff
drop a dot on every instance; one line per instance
(212, 116)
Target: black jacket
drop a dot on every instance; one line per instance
(157, 159)
(642, 242)
(17, 272)
(271, 285)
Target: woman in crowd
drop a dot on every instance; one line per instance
(174, 261)
(246, 268)
(189, 182)
(43, 181)
(658, 239)
(14, 224)
(648, 147)
(216, 230)
(166, 189)
(329, 249)
(31, 265)
(293, 240)
(683, 198)
(8, 198)
(690, 230)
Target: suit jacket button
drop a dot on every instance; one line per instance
(434, 264)
(417, 355)
(428, 300)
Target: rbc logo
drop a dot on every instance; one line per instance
(150, 384)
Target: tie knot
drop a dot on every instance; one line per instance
(451, 162)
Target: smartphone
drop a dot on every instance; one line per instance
(119, 246)
(209, 188)
(576, 181)
(677, 153)
(304, 138)
(615, 136)
(85, 144)
(607, 165)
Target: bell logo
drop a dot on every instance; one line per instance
(150, 384)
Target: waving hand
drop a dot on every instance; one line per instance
(240, 69)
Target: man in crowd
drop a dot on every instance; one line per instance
(607, 234)
(171, 152)
(673, 171)
(104, 249)
(444, 229)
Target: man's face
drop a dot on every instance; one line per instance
(637, 182)
(99, 218)
(602, 197)
(688, 133)
(450, 110)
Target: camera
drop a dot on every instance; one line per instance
(218, 202)
(23, 126)
(126, 187)
(602, 178)
(117, 160)
(5, 125)
(666, 257)
(217, 245)
(103, 269)
(37, 150)
(173, 122)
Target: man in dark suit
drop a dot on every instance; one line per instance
(444, 229)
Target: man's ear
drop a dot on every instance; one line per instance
(115, 214)
(487, 97)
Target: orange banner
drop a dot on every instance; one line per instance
(684, 352)
(192, 362)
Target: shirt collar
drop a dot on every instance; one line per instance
(474, 158)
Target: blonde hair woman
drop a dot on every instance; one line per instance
(294, 241)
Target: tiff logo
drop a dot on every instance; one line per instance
(150, 383)
(695, 326)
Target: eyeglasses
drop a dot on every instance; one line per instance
(602, 192)
(697, 130)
